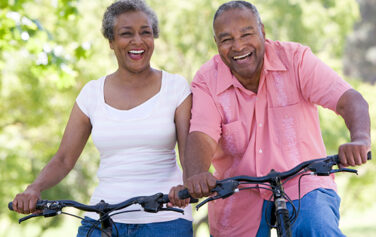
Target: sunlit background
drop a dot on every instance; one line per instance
(50, 48)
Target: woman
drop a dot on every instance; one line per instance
(135, 116)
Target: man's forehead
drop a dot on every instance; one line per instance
(234, 12)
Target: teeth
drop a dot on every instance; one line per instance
(137, 51)
(241, 56)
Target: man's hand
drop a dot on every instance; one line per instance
(200, 185)
(353, 153)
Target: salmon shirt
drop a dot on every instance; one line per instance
(277, 128)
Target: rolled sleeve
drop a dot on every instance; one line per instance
(205, 115)
(319, 83)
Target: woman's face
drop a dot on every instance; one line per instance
(133, 42)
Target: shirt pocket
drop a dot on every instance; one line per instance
(234, 138)
(285, 128)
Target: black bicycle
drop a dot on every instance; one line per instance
(153, 204)
(274, 181)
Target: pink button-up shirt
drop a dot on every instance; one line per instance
(277, 128)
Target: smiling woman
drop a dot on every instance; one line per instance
(135, 116)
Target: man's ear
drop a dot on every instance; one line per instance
(263, 30)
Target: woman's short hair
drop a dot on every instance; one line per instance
(123, 6)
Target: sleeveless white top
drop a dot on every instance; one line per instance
(137, 147)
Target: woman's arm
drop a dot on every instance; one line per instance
(182, 117)
(74, 139)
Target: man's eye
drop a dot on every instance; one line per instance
(226, 40)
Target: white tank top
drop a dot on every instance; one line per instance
(137, 147)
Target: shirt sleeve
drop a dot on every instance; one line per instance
(183, 90)
(205, 115)
(86, 98)
(319, 83)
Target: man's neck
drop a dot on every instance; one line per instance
(250, 83)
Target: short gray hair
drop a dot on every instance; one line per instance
(122, 6)
(238, 5)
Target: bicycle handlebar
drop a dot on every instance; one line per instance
(153, 204)
(321, 167)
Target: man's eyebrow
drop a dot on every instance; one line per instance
(224, 34)
(247, 28)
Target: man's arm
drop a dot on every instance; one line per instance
(354, 110)
(199, 151)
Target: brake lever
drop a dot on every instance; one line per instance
(172, 209)
(29, 216)
(205, 201)
(344, 170)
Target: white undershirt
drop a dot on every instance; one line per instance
(137, 147)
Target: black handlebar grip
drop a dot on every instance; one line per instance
(183, 194)
(10, 206)
(369, 155)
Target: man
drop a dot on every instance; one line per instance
(254, 109)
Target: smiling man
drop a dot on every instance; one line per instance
(254, 109)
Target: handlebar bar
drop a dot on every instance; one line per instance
(153, 204)
(321, 167)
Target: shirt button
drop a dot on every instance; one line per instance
(260, 124)
(260, 151)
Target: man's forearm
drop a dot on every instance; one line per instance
(198, 154)
(354, 110)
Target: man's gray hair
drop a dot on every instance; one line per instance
(123, 6)
(238, 5)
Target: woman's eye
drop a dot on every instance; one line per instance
(125, 33)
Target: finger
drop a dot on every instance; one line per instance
(364, 155)
(350, 157)
(357, 156)
(342, 157)
(197, 192)
(204, 187)
(171, 196)
(26, 208)
(32, 205)
(14, 205)
(20, 207)
(212, 182)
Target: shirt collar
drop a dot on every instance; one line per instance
(272, 61)
(225, 79)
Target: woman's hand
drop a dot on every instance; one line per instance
(174, 198)
(25, 202)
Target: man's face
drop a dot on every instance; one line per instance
(240, 42)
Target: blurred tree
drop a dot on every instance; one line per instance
(39, 80)
(360, 54)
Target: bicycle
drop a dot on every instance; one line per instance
(281, 220)
(153, 204)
